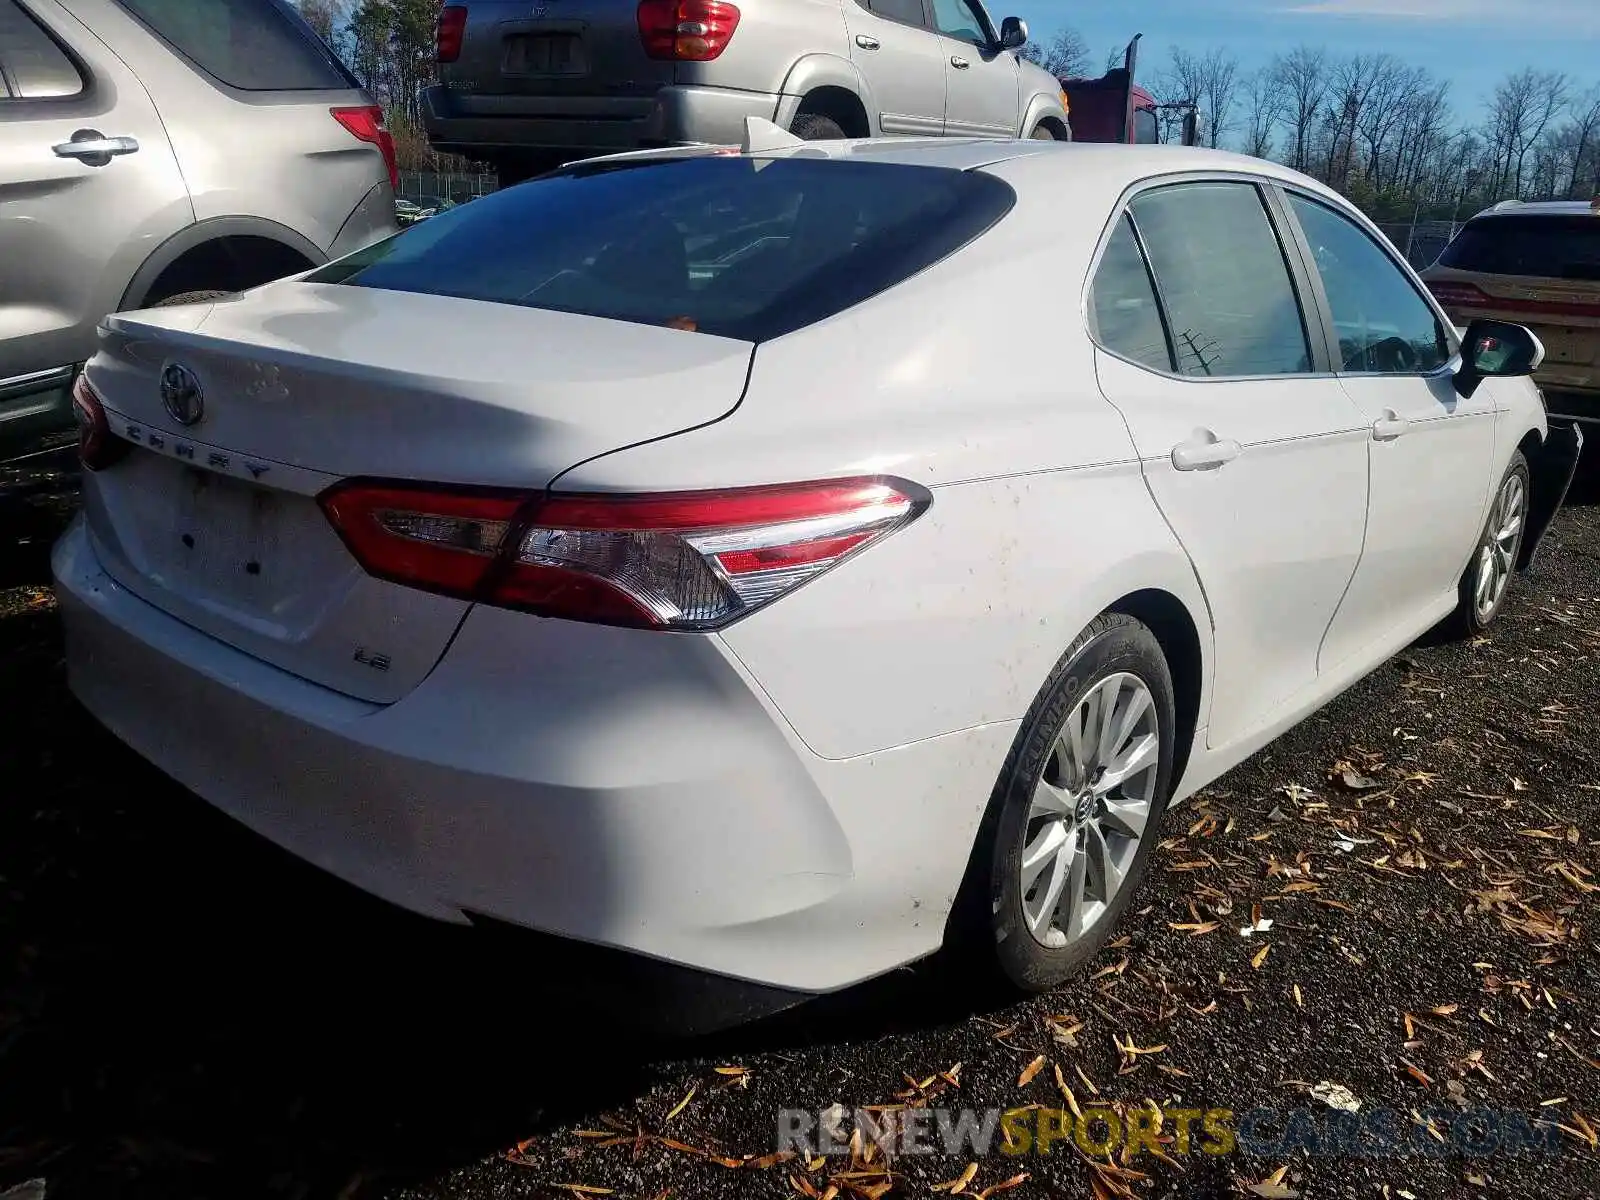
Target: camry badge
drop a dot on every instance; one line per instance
(181, 395)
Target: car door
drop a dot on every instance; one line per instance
(902, 63)
(1255, 455)
(1432, 452)
(88, 188)
(981, 80)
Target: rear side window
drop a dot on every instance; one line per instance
(32, 65)
(739, 247)
(1558, 247)
(252, 45)
(1229, 297)
(908, 12)
(1127, 319)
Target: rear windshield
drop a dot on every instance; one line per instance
(252, 45)
(739, 247)
(1551, 247)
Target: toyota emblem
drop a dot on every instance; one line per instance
(181, 395)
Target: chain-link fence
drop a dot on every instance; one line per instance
(428, 187)
(1421, 241)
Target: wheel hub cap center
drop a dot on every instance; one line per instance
(1084, 809)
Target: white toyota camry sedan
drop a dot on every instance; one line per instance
(776, 563)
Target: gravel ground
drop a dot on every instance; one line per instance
(185, 1012)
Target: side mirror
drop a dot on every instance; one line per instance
(1013, 33)
(1191, 128)
(1496, 350)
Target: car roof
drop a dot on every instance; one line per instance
(1540, 208)
(1111, 163)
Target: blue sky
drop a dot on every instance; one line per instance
(1472, 43)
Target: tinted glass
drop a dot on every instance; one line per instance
(1553, 247)
(909, 11)
(1384, 324)
(32, 66)
(956, 19)
(1229, 297)
(254, 45)
(1145, 130)
(1123, 304)
(740, 247)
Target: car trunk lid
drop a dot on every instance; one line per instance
(302, 385)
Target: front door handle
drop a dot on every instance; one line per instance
(1389, 426)
(959, 63)
(1205, 451)
(93, 148)
(865, 42)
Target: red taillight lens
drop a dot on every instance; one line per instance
(448, 32)
(688, 30)
(1459, 295)
(366, 124)
(693, 560)
(98, 448)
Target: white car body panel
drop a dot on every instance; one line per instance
(792, 800)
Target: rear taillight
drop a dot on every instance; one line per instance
(687, 30)
(1459, 295)
(688, 560)
(366, 123)
(98, 448)
(448, 32)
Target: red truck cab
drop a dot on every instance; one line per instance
(1113, 108)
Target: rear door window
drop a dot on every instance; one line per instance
(252, 45)
(740, 247)
(32, 65)
(1230, 300)
(1552, 247)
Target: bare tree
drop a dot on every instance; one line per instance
(1209, 80)
(1065, 54)
(1304, 79)
(327, 17)
(1583, 170)
(1265, 104)
(1523, 107)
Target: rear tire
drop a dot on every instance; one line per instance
(189, 298)
(814, 127)
(1487, 580)
(1052, 792)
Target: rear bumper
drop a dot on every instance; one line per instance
(487, 126)
(622, 789)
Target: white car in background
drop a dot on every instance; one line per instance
(816, 556)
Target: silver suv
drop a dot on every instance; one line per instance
(528, 84)
(158, 150)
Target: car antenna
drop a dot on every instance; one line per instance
(761, 134)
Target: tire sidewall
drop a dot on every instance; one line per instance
(1121, 645)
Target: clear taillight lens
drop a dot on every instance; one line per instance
(692, 561)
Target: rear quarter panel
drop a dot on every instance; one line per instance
(279, 156)
(977, 382)
(772, 36)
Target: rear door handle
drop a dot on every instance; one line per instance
(865, 42)
(93, 148)
(959, 63)
(1205, 451)
(1389, 426)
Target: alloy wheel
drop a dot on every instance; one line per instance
(1089, 810)
(1497, 558)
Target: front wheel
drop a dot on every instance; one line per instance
(1487, 579)
(1042, 133)
(1079, 804)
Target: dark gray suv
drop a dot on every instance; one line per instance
(527, 84)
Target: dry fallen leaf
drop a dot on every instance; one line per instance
(953, 1186)
(682, 1104)
(1031, 1071)
(1260, 956)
